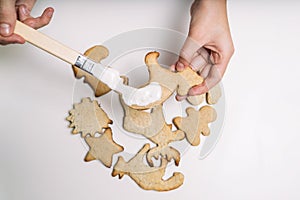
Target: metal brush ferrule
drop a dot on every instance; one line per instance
(85, 64)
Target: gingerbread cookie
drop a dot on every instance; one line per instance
(196, 123)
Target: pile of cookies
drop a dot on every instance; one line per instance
(91, 121)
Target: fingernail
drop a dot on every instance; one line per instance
(179, 66)
(5, 29)
(172, 68)
(24, 10)
(49, 14)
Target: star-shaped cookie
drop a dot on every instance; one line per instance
(102, 148)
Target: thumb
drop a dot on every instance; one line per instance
(7, 17)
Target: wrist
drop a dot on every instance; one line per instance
(208, 5)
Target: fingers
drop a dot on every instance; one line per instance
(181, 64)
(211, 67)
(187, 53)
(13, 39)
(212, 75)
(205, 71)
(7, 23)
(172, 68)
(10, 10)
(24, 8)
(28, 3)
(7, 17)
(200, 61)
(38, 22)
(211, 78)
(23, 12)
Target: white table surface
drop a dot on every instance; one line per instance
(258, 156)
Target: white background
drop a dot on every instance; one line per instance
(256, 158)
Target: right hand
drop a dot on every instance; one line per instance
(11, 10)
(209, 46)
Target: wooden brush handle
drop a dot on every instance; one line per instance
(46, 43)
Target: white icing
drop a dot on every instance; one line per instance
(144, 96)
(110, 77)
(131, 96)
